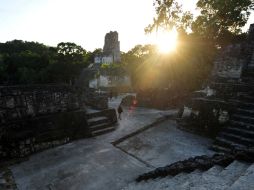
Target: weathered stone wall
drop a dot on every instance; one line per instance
(34, 118)
(20, 102)
(229, 63)
(95, 99)
(231, 80)
(160, 98)
(22, 138)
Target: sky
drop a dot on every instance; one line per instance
(84, 22)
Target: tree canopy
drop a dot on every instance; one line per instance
(24, 62)
(216, 20)
(199, 38)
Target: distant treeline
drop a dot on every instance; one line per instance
(24, 62)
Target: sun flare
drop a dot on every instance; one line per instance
(166, 41)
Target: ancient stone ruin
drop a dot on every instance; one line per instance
(111, 50)
(112, 46)
(34, 118)
(224, 108)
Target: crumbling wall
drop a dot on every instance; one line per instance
(24, 137)
(20, 102)
(34, 118)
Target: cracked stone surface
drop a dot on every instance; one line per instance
(92, 163)
(165, 143)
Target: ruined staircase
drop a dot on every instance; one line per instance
(99, 123)
(236, 176)
(239, 133)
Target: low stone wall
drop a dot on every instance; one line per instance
(205, 116)
(34, 118)
(19, 102)
(28, 136)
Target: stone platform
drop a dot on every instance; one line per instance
(95, 163)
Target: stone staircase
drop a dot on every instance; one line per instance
(236, 176)
(239, 133)
(99, 123)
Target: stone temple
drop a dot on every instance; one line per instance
(111, 50)
(147, 149)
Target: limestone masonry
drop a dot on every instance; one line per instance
(111, 50)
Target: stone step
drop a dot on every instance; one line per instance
(139, 186)
(244, 182)
(100, 126)
(102, 131)
(152, 184)
(240, 131)
(173, 183)
(97, 120)
(213, 171)
(241, 103)
(192, 179)
(149, 184)
(228, 143)
(233, 177)
(237, 138)
(223, 179)
(245, 112)
(93, 114)
(241, 125)
(247, 79)
(220, 149)
(249, 73)
(246, 97)
(242, 118)
(233, 171)
(162, 182)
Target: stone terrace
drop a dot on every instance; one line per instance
(95, 163)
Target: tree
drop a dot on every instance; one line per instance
(71, 52)
(71, 59)
(218, 24)
(137, 60)
(24, 62)
(20, 59)
(221, 19)
(169, 14)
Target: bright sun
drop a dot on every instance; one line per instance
(166, 41)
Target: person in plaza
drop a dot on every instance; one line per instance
(120, 110)
(110, 95)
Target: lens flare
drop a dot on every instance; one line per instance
(166, 41)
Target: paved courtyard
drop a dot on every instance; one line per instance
(95, 163)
